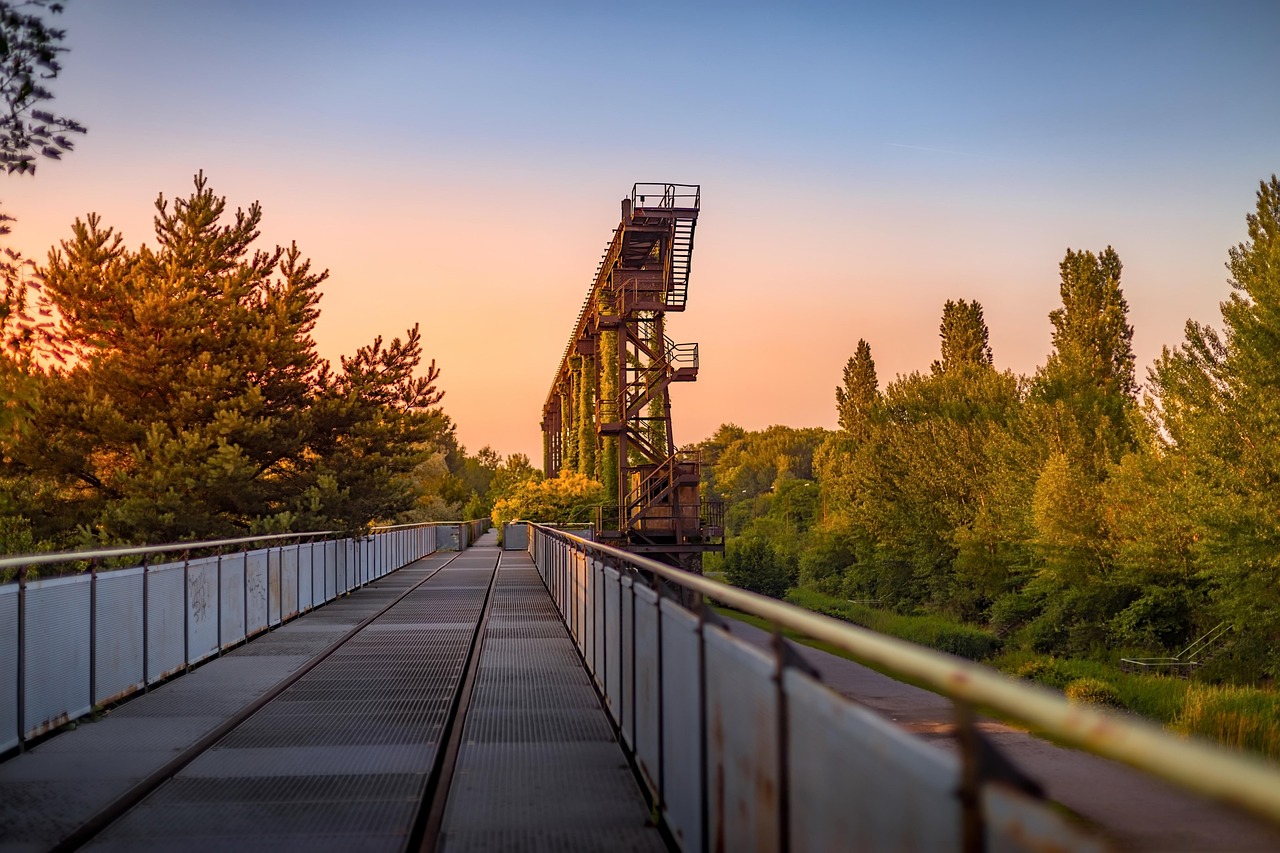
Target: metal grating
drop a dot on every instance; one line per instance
(344, 752)
(539, 767)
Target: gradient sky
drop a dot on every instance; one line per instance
(461, 164)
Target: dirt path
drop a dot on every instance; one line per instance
(1135, 811)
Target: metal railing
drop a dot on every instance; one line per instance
(72, 643)
(686, 196)
(739, 749)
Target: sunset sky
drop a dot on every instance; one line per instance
(461, 165)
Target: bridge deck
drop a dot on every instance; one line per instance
(539, 767)
(340, 759)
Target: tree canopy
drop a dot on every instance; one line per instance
(193, 403)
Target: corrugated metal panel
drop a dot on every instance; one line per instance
(855, 775)
(578, 574)
(681, 726)
(118, 641)
(612, 590)
(306, 574)
(8, 667)
(56, 673)
(255, 592)
(591, 622)
(231, 599)
(515, 537)
(330, 570)
(289, 576)
(166, 612)
(742, 745)
(626, 693)
(646, 700)
(275, 586)
(202, 609)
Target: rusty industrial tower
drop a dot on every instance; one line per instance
(608, 414)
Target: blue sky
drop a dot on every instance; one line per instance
(860, 164)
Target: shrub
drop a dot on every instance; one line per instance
(1047, 671)
(752, 563)
(1094, 691)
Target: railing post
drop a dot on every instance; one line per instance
(970, 791)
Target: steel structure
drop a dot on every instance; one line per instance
(608, 413)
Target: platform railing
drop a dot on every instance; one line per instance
(741, 749)
(71, 643)
(685, 196)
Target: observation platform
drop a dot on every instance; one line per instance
(447, 694)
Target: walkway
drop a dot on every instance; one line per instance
(344, 758)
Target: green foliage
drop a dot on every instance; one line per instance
(936, 632)
(752, 562)
(856, 399)
(1243, 718)
(1046, 671)
(29, 51)
(1093, 691)
(965, 338)
(195, 405)
(566, 499)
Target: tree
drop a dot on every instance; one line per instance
(1219, 419)
(1091, 369)
(751, 562)
(855, 399)
(196, 405)
(964, 337)
(566, 499)
(29, 50)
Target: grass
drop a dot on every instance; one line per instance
(1241, 718)
(936, 632)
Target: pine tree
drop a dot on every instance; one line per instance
(196, 405)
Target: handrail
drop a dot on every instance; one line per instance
(1238, 779)
(52, 557)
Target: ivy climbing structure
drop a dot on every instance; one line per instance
(608, 414)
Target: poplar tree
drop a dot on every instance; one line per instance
(1218, 412)
(964, 337)
(856, 397)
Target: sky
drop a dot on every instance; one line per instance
(460, 165)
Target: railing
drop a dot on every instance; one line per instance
(686, 196)
(743, 750)
(1186, 661)
(68, 644)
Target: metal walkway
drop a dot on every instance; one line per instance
(539, 767)
(297, 741)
